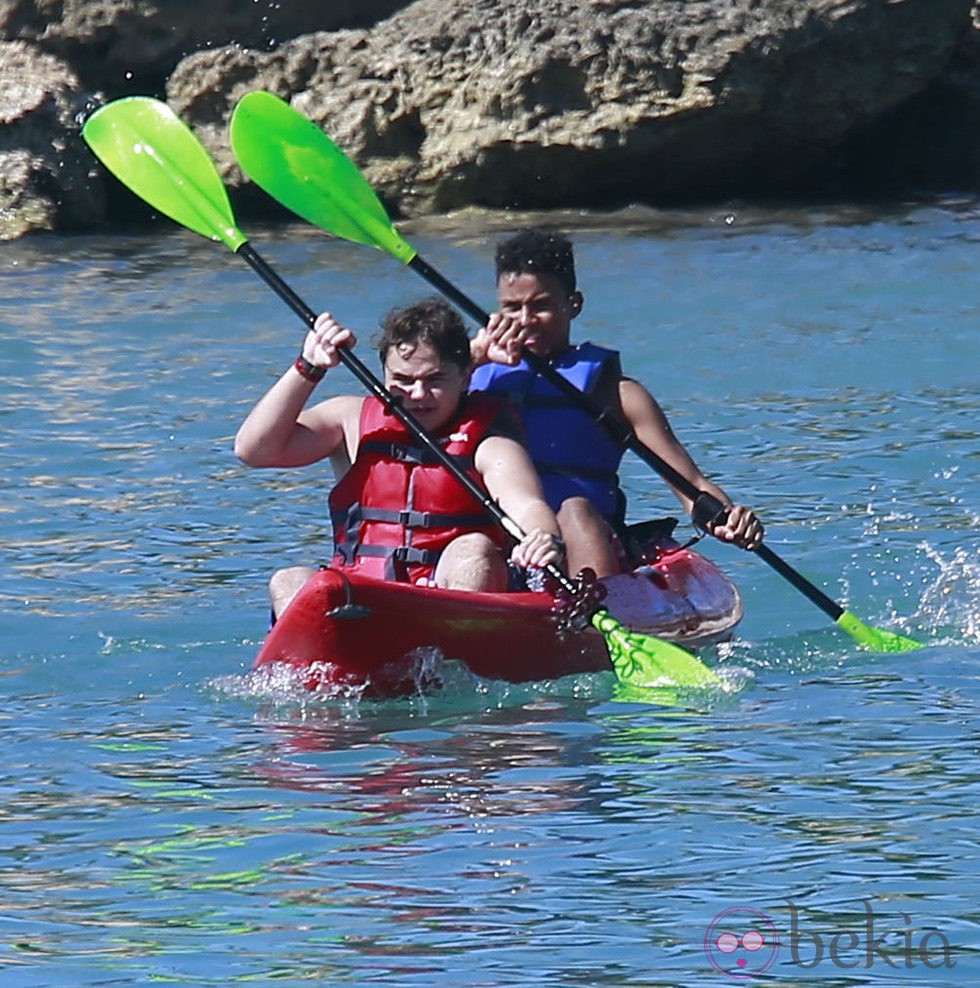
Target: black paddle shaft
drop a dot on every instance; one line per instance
(706, 509)
(391, 403)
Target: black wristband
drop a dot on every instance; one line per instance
(311, 372)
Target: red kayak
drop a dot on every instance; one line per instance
(346, 630)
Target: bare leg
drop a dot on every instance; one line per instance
(471, 562)
(285, 584)
(589, 541)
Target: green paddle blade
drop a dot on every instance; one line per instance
(293, 160)
(643, 661)
(876, 639)
(153, 152)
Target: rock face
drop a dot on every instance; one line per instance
(590, 102)
(45, 181)
(131, 46)
(57, 56)
(507, 103)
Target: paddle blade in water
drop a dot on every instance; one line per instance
(876, 639)
(151, 151)
(293, 160)
(643, 661)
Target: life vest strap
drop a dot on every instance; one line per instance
(557, 401)
(401, 553)
(407, 518)
(405, 453)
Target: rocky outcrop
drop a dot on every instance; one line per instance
(510, 103)
(590, 102)
(56, 57)
(46, 180)
(131, 46)
(931, 142)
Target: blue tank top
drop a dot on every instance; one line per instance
(572, 453)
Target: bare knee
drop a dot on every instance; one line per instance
(578, 512)
(471, 562)
(285, 584)
(589, 539)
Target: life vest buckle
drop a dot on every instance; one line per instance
(415, 519)
(403, 454)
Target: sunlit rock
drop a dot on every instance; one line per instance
(130, 46)
(590, 102)
(47, 176)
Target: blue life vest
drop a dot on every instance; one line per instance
(574, 455)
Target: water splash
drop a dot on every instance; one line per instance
(804, 652)
(436, 682)
(952, 601)
(317, 684)
(280, 684)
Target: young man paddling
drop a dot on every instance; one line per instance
(397, 513)
(578, 462)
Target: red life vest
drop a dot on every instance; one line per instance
(397, 507)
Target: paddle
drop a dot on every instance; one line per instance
(296, 163)
(150, 150)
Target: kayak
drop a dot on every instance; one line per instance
(347, 631)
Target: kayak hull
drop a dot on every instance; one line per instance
(346, 630)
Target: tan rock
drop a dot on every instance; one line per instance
(47, 177)
(589, 102)
(129, 46)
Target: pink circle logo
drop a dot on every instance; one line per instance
(741, 942)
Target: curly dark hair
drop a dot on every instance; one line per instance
(431, 321)
(538, 252)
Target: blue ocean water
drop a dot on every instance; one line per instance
(167, 817)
